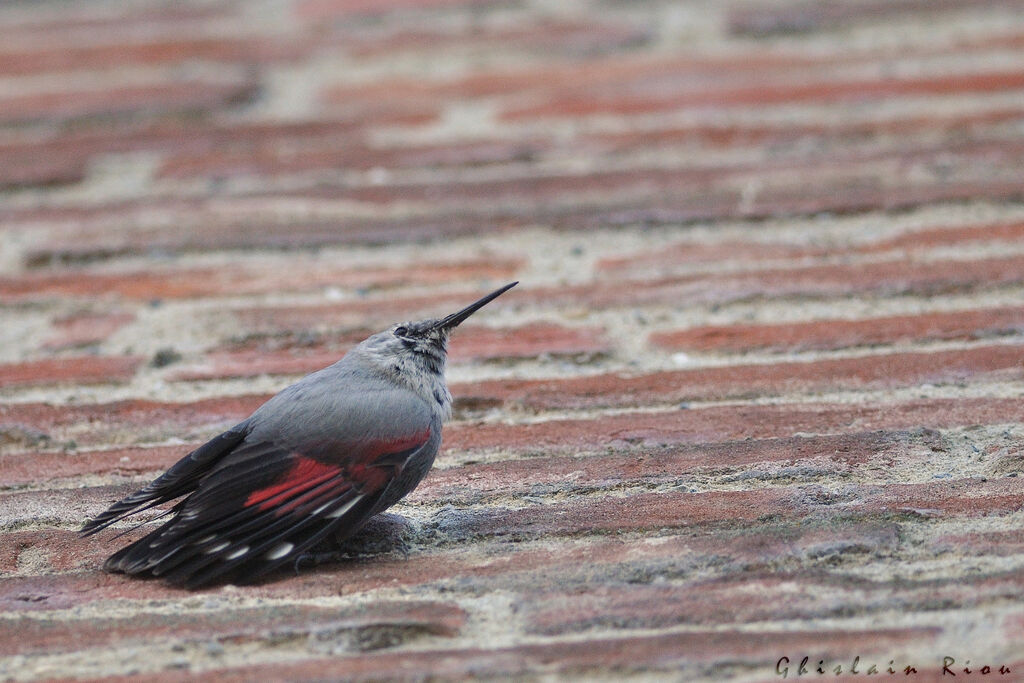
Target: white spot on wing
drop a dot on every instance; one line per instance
(217, 548)
(344, 508)
(238, 553)
(280, 551)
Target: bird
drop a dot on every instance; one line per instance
(315, 462)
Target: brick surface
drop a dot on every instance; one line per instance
(191, 283)
(837, 334)
(283, 354)
(757, 395)
(85, 329)
(889, 370)
(78, 370)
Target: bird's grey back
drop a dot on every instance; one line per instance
(349, 399)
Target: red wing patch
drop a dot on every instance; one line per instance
(303, 475)
(374, 469)
(366, 466)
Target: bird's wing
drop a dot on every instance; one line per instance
(183, 477)
(266, 503)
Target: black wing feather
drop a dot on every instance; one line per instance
(254, 512)
(183, 477)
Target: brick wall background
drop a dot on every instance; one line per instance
(758, 394)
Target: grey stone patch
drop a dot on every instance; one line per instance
(164, 357)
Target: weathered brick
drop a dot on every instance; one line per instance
(323, 9)
(669, 259)
(731, 509)
(36, 467)
(474, 344)
(506, 566)
(549, 35)
(134, 421)
(365, 315)
(668, 465)
(732, 600)
(998, 543)
(239, 280)
(808, 138)
(74, 370)
(392, 124)
(156, 52)
(670, 653)
(203, 228)
(403, 621)
(839, 333)
(889, 370)
(478, 482)
(85, 329)
(802, 17)
(722, 423)
(888, 278)
(160, 99)
(266, 157)
(748, 95)
(128, 421)
(26, 170)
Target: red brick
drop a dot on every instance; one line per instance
(264, 157)
(549, 36)
(837, 333)
(800, 17)
(32, 468)
(135, 421)
(75, 370)
(324, 9)
(154, 52)
(477, 482)
(883, 371)
(360, 315)
(63, 158)
(472, 344)
(669, 259)
(241, 279)
(961, 497)
(52, 550)
(85, 329)
(775, 459)
(741, 599)
(621, 199)
(70, 25)
(678, 256)
(173, 98)
(129, 421)
(42, 169)
(671, 653)
(732, 510)
(593, 76)
(790, 137)
(890, 278)
(504, 566)
(735, 600)
(978, 543)
(202, 228)
(944, 237)
(825, 91)
(253, 363)
(732, 422)
(402, 621)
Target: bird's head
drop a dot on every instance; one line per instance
(421, 346)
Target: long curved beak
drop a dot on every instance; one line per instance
(456, 318)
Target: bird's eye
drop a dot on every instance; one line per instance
(401, 331)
